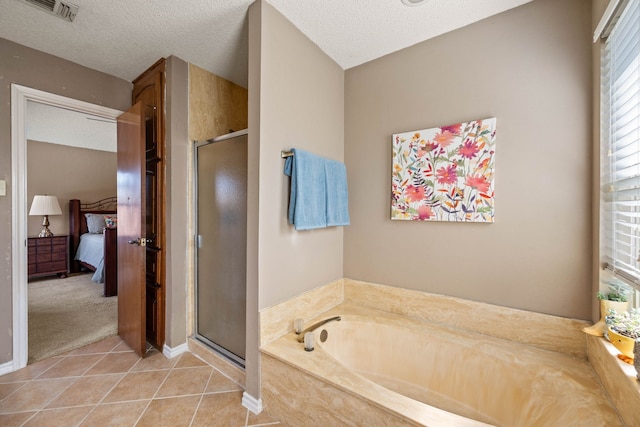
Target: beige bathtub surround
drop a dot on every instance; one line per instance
(277, 320)
(491, 380)
(535, 329)
(304, 400)
(618, 378)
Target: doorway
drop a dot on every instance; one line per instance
(221, 244)
(20, 95)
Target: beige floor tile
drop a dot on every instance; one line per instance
(86, 391)
(34, 395)
(185, 381)
(261, 419)
(113, 363)
(188, 360)
(8, 388)
(137, 386)
(154, 360)
(218, 382)
(104, 346)
(171, 412)
(59, 417)
(121, 347)
(29, 372)
(221, 409)
(15, 420)
(115, 414)
(71, 366)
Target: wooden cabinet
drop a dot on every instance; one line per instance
(48, 255)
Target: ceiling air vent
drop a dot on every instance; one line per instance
(59, 8)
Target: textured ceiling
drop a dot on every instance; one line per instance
(123, 38)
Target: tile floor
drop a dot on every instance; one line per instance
(107, 384)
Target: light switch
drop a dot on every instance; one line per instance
(3, 187)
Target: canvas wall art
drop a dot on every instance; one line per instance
(445, 173)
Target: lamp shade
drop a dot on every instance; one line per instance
(45, 205)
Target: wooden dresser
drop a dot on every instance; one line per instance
(48, 255)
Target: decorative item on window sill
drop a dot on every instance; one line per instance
(45, 205)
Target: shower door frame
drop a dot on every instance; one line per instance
(237, 360)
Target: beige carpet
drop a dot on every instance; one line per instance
(65, 314)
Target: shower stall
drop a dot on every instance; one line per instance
(221, 243)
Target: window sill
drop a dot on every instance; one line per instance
(618, 378)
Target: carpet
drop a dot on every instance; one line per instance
(66, 314)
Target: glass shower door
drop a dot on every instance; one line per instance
(221, 227)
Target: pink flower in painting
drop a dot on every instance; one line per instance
(424, 212)
(454, 129)
(480, 183)
(414, 194)
(426, 148)
(447, 175)
(469, 149)
(444, 138)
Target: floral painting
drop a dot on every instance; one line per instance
(445, 173)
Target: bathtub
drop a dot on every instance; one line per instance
(377, 368)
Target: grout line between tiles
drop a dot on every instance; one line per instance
(124, 374)
(218, 370)
(65, 389)
(30, 418)
(154, 394)
(7, 396)
(246, 418)
(193, 417)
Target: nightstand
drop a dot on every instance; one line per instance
(48, 255)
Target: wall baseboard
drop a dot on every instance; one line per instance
(170, 353)
(6, 367)
(251, 403)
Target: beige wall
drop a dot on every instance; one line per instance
(25, 67)
(301, 106)
(178, 198)
(296, 99)
(67, 173)
(531, 68)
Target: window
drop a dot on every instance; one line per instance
(620, 144)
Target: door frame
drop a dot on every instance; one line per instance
(20, 95)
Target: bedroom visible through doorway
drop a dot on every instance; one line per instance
(69, 312)
(21, 101)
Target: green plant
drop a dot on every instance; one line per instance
(627, 323)
(618, 291)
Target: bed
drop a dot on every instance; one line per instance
(96, 250)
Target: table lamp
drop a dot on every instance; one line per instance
(45, 205)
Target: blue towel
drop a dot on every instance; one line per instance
(319, 195)
(308, 203)
(337, 194)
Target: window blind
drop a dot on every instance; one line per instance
(620, 145)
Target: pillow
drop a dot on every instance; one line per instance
(95, 223)
(111, 221)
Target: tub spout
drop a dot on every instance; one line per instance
(316, 326)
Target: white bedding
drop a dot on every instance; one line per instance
(91, 251)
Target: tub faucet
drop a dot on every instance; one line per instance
(316, 326)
